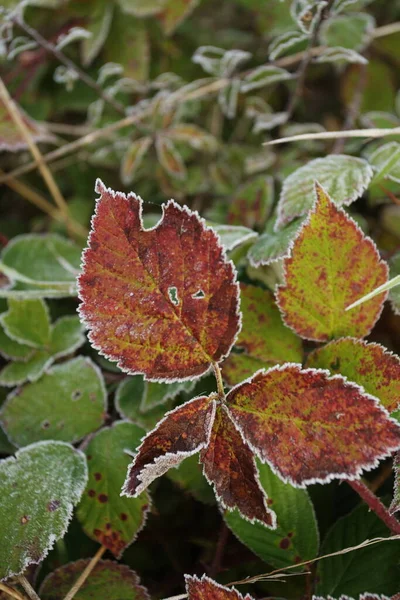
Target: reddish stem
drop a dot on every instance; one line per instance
(376, 505)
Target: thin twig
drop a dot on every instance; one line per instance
(376, 505)
(11, 592)
(49, 47)
(80, 143)
(37, 200)
(220, 383)
(85, 574)
(28, 588)
(43, 168)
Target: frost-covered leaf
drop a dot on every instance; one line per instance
(138, 8)
(263, 336)
(130, 394)
(374, 568)
(11, 138)
(12, 349)
(105, 515)
(108, 581)
(66, 404)
(295, 538)
(229, 465)
(40, 265)
(273, 245)
(228, 98)
(332, 416)
(183, 432)
(232, 236)
(307, 13)
(134, 52)
(189, 477)
(345, 178)
(133, 158)
(386, 162)
(174, 12)
(16, 373)
(337, 54)
(263, 76)
(98, 25)
(353, 31)
(331, 264)
(370, 365)
(339, 6)
(169, 157)
(162, 302)
(207, 589)
(40, 487)
(197, 138)
(158, 393)
(395, 504)
(268, 121)
(252, 203)
(209, 58)
(287, 43)
(27, 322)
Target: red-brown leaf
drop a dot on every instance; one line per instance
(207, 589)
(311, 427)
(163, 301)
(229, 465)
(181, 433)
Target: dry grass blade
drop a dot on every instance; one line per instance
(333, 135)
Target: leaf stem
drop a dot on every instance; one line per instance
(11, 592)
(375, 504)
(220, 383)
(28, 588)
(85, 574)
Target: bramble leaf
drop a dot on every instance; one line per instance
(207, 589)
(343, 177)
(263, 76)
(106, 517)
(273, 245)
(295, 538)
(67, 403)
(40, 487)
(331, 264)
(27, 322)
(370, 365)
(162, 302)
(108, 581)
(230, 467)
(252, 203)
(304, 423)
(263, 336)
(129, 395)
(183, 432)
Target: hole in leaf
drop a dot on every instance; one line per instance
(45, 424)
(173, 295)
(199, 294)
(76, 395)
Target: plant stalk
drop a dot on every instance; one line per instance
(375, 504)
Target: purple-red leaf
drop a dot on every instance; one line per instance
(331, 264)
(207, 589)
(162, 301)
(181, 433)
(311, 427)
(229, 465)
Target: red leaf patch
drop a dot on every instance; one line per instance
(331, 264)
(164, 301)
(230, 466)
(181, 433)
(207, 589)
(311, 427)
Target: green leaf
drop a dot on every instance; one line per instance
(99, 23)
(156, 394)
(370, 365)
(335, 262)
(348, 31)
(374, 569)
(232, 236)
(386, 162)
(296, 537)
(106, 516)
(66, 404)
(263, 335)
(337, 54)
(134, 52)
(263, 76)
(40, 487)
(189, 476)
(128, 400)
(27, 322)
(13, 350)
(394, 294)
(108, 581)
(345, 178)
(174, 12)
(252, 203)
(272, 245)
(287, 43)
(66, 336)
(16, 373)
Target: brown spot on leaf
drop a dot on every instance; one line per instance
(91, 493)
(284, 543)
(53, 505)
(25, 519)
(97, 476)
(103, 498)
(123, 516)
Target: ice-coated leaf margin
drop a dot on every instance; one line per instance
(208, 589)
